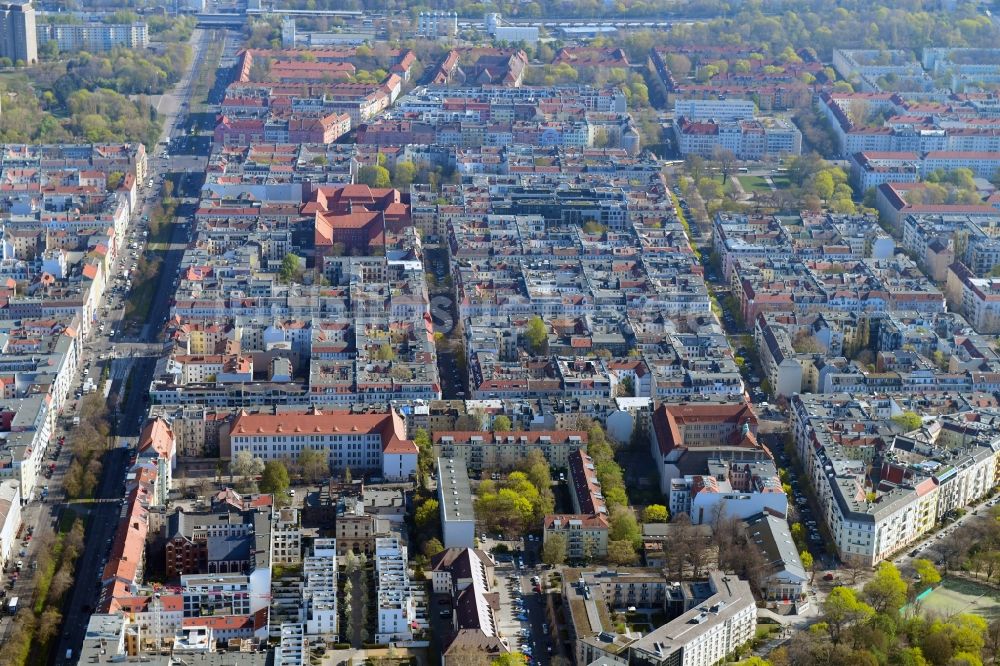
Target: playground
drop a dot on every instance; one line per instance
(956, 595)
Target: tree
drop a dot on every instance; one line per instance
(807, 563)
(843, 609)
(624, 526)
(823, 185)
(655, 513)
(473, 421)
(432, 547)
(908, 421)
(502, 424)
(244, 464)
(886, 592)
(536, 336)
(554, 549)
(427, 514)
(404, 174)
(928, 573)
(48, 625)
(291, 268)
(274, 478)
(374, 176)
(314, 465)
(622, 552)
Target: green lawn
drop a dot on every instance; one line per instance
(754, 183)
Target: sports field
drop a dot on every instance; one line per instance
(955, 595)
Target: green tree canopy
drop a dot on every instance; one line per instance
(886, 592)
(554, 549)
(536, 336)
(908, 421)
(374, 176)
(655, 513)
(274, 478)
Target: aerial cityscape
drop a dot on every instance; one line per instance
(632, 333)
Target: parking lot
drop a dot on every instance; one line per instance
(522, 612)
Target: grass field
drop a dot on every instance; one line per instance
(961, 596)
(754, 184)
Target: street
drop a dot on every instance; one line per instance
(132, 362)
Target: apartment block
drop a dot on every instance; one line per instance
(395, 606)
(319, 590)
(505, 450)
(458, 520)
(704, 635)
(94, 37)
(18, 40)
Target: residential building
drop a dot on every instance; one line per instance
(586, 535)
(978, 298)
(93, 37)
(286, 537)
(216, 542)
(458, 521)
(729, 487)
(395, 606)
(707, 633)
(502, 451)
(752, 139)
(710, 618)
(437, 24)
(466, 576)
(18, 40)
(945, 464)
(319, 590)
(453, 570)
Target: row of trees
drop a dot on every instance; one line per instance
(310, 465)
(36, 625)
(88, 442)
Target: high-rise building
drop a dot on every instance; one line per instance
(17, 31)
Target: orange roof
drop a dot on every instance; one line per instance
(388, 425)
(158, 436)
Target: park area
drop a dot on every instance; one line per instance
(956, 595)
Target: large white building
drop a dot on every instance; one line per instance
(750, 139)
(93, 37)
(715, 109)
(509, 33)
(395, 606)
(437, 24)
(372, 443)
(947, 463)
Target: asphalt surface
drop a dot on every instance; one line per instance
(133, 361)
